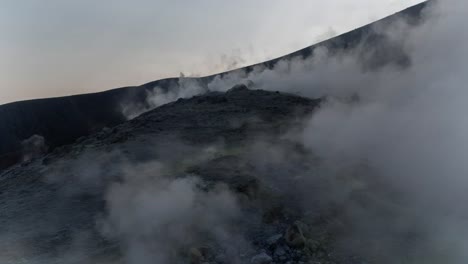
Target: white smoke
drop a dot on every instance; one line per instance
(158, 220)
(409, 127)
(324, 73)
(153, 213)
(407, 124)
(186, 87)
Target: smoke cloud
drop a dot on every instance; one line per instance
(400, 127)
(163, 219)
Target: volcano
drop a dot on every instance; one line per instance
(184, 170)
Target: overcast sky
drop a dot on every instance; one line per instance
(57, 47)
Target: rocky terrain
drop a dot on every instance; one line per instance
(50, 201)
(217, 178)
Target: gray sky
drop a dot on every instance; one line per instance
(58, 47)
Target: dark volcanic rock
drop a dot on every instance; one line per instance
(47, 201)
(229, 116)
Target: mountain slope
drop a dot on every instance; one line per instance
(63, 120)
(52, 202)
(224, 177)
